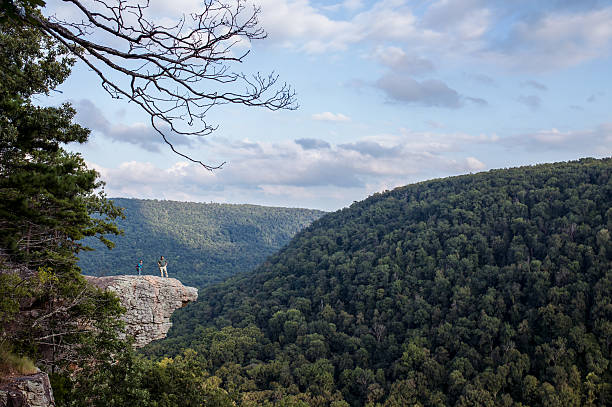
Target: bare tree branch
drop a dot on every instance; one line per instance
(61, 309)
(174, 73)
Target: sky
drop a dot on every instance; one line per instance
(390, 93)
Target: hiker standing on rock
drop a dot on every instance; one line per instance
(139, 267)
(162, 264)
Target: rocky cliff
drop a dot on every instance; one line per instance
(27, 391)
(149, 303)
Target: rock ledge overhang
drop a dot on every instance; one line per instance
(149, 302)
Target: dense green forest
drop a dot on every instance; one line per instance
(203, 243)
(492, 289)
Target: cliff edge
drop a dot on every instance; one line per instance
(149, 303)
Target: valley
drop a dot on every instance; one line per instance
(458, 154)
(485, 289)
(203, 243)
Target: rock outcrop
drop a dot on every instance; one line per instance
(149, 303)
(27, 391)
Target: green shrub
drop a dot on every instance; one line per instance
(11, 364)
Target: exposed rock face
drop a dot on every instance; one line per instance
(27, 391)
(149, 301)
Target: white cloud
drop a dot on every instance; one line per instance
(348, 5)
(464, 19)
(312, 143)
(140, 134)
(174, 8)
(324, 175)
(557, 40)
(317, 173)
(298, 24)
(430, 92)
(331, 117)
(475, 164)
(547, 37)
(595, 141)
(397, 59)
(352, 5)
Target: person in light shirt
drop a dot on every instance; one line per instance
(163, 266)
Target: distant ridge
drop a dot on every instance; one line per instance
(202, 242)
(490, 289)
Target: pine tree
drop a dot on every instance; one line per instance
(49, 201)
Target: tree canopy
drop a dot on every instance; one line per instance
(491, 289)
(204, 243)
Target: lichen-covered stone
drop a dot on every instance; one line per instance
(149, 303)
(27, 391)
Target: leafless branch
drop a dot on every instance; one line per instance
(174, 73)
(60, 309)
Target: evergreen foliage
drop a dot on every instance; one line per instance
(49, 201)
(492, 289)
(203, 243)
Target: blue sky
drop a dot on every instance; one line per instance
(391, 92)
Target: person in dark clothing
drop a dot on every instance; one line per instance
(163, 266)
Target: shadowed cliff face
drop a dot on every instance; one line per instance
(149, 302)
(27, 391)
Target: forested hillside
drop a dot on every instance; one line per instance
(203, 243)
(492, 289)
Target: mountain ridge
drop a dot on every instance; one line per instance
(483, 289)
(202, 242)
